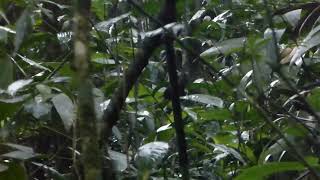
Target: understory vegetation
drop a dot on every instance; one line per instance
(159, 89)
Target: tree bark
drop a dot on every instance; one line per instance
(91, 156)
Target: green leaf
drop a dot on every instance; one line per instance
(65, 109)
(260, 172)
(205, 99)
(215, 114)
(106, 25)
(14, 87)
(20, 147)
(293, 17)
(6, 72)
(119, 160)
(228, 151)
(23, 28)
(9, 106)
(33, 63)
(224, 47)
(151, 154)
(312, 39)
(98, 7)
(16, 171)
(313, 99)
(20, 155)
(38, 109)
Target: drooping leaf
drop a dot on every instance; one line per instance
(106, 25)
(293, 17)
(65, 109)
(20, 155)
(271, 46)
(6, 72)
(224, 47)
(151, 154)
(14, 87)
(197, 15)
(311, 40)
(16, 99)
(191, 113)
(4, 33)
(23, 28)
(20, 147)
(3, 28)
(33, 63)
(119, 160)
(205, 99)
(228, 151)
(245, 81)
(222, 17)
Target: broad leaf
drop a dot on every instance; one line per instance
(312, 39)
(6, 71)
(205, 99)
(119, 160)
(23, 28)
(33, 63)
(106, 25)
(19, 155)
(293, 17)
(151, 154)
(224, 47)
(65, 108)
(20, 147)
(14, 87)
(228, 151)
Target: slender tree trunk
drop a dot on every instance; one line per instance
(91, 156)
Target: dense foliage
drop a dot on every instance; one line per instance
(249, 70)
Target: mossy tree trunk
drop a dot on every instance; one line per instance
(91, 155)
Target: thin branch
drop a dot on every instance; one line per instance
(131, 75)
(178, 121)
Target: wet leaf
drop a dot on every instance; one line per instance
(14, 87)
(119, 160)
(65, 109)
(20, 155)
(224, 47)
(23, 28)
(150, 155)
(205, 99)
(106, 25)
(33, 63)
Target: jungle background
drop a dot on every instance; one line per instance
(159, 89)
